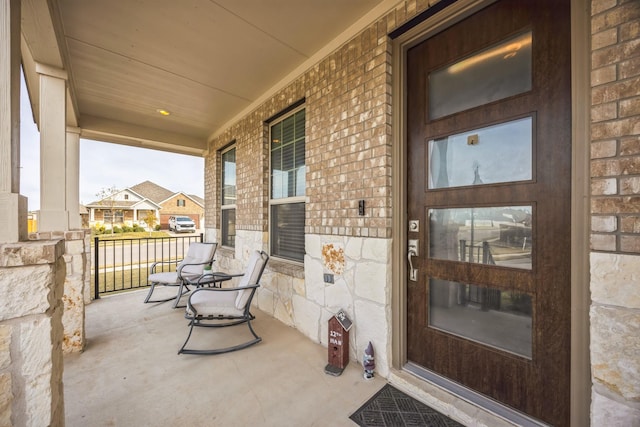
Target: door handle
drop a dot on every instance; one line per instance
(411, 252)
(413, 272)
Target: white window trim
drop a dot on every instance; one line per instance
(288, 200)
(224, 207)
(283, 200)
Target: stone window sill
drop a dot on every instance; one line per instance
(285, 267)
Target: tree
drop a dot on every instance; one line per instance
(106, 198)
(150, 220)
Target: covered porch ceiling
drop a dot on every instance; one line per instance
(206, 62)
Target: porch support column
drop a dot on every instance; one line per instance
(13, 206)
(73, 178)
(54, 213)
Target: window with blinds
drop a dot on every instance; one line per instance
(228, 192)
(287, 183)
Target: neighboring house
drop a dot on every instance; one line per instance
(172, 203)
(131, 205)
(184, 205)
(84, 216)
(126, 207)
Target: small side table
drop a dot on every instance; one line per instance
(213, 280)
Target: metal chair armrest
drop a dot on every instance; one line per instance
(153, 266)
(181, 267)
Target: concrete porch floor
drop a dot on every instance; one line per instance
(131, 375)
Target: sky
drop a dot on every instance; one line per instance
(104, 165)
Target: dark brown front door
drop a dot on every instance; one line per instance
(489, 180)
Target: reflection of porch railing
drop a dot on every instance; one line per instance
(488, 299)
(476, 254)
(120, 265)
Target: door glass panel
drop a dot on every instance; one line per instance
(495, 73)
(496, 235)
(497, 318)
(494, 154)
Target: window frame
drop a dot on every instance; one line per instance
(116, 214)
(296, 199)
(229, 206)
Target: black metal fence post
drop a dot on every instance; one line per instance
(96, 268)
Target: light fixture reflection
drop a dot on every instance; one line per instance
(507, 51)
(162, 112)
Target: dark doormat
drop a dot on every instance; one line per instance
(390, 407)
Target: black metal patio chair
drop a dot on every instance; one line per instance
(217, 307)
(199, 255)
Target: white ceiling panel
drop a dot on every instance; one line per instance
(205, 61)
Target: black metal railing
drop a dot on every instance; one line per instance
(124, 264)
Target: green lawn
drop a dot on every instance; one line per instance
(134, 277)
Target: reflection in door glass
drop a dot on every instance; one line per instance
(495, 236)
(496, 73)
(497, 318)
(499, 153)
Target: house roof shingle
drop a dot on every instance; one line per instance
(148, 191)
(197, 199)
(152, 191)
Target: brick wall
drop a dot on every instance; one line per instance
(615, 128)
(170, 206)
(348, 110)
(615, 209)
(347, 97)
